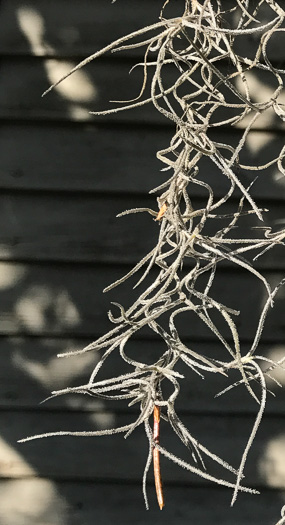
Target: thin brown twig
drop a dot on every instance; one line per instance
(156, 459)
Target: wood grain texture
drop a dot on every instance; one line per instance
(92, 89)
(68, 227)
(73, 503)
(82, 28)
(76, 30)
(67, 300)
(30, 370)
(118, 160)
(115, 458)
(81, 158)
(86, 91)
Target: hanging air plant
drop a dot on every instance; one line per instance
(186, 80)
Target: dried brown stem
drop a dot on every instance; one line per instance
(156, 459)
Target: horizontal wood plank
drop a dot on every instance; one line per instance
(73, 503)
(73, 228)
(86, 159)
(119, 159)
(114, 458)
(93, 88)
(30, 370)
(69, 227)
(42, 28)
(67, 300)
(88, 90)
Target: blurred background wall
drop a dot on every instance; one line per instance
(64, 175)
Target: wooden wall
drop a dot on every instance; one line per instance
(64, 175)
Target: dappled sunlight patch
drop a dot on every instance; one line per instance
(272, 463)
(77, 93)
(80, 403)
(80, 91)
(77, 112)
(10, 275)
(30, 308)
(31, 501)
(276, 353)
(65, 308)
(279, 178)
(12, 463)
(260, 91)
(32, 26)
(257, 141)
(40, 306)
(281, 292)
(55, 372)
(102, 420)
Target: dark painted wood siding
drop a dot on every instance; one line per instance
(64, 175)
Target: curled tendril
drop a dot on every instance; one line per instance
(282, 521)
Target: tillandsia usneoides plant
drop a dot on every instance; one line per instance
(203, 95)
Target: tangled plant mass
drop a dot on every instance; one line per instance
(195, 76)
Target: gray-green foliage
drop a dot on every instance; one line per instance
(196, 44)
